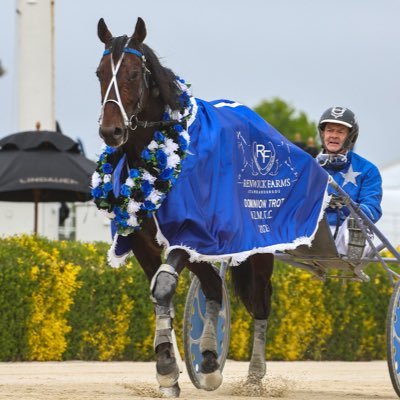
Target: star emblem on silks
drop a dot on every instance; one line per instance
(350, 176)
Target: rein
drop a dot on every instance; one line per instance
(131, 122)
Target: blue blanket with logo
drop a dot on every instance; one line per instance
(244, 189)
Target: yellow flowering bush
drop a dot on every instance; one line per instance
(61, 300)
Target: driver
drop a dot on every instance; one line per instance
(359, 178)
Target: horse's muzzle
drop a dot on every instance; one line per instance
(113, 136)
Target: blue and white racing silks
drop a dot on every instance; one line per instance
(361, 180)
(244, 189)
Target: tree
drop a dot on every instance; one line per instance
(287, 120)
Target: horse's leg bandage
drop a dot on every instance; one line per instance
(163, 285)
(257, 366)
(208, 340)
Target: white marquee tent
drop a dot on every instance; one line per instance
(390, 221)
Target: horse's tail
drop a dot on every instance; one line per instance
(242, 284)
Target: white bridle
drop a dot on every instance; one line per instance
(114, 83)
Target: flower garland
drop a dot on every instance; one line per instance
(147, 185)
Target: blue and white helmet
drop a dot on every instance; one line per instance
(343, 116)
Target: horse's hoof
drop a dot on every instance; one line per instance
(170, 379)
(257, 371)
(211, 381)
(173, 391)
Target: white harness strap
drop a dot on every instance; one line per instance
(114, 83)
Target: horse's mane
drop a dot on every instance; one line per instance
(161, 77)
(164, 79)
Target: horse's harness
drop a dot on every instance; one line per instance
(130, 122)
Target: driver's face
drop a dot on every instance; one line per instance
(334, 136)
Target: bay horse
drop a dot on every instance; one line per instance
(135, 91)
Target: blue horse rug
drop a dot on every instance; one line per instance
(244, 189)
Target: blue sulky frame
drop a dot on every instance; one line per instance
(320, 259)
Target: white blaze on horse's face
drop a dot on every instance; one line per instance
(123, 85)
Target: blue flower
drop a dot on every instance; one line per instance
(121, 222)
(107, 168)
(107, 187)
(159, 137)
(149, 206)
(178, 128)
(97, 192)
(166, 116)
(166, 174)
(146, 154)
(120, 214)
(146, 188)
(161, 159)
(109, 150)
(183, 99)
(125, 190)
(183, 144)
(134, 173)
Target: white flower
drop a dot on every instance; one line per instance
(176, 115)
(107, 178)
(148, 177)
(173, 160)
(170, 146)
(96, 179)
(153, 145)
(154, 196)
(132, 221)
(133, 206)
(129, 182)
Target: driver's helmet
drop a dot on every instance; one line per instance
(343, 116)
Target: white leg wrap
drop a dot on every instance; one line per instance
(208, 341)
(257, 367)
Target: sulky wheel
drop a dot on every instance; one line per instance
(393, 338)
(195, 308)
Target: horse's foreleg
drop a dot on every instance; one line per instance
(257, 367)
(211, 377)
(163, 286)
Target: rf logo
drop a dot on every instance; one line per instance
(263, 156)
(263, 152)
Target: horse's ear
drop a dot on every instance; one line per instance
(140, 31)
(102, 31)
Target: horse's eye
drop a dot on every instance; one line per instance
(133, 76)
(97, 73)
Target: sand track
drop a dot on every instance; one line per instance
(136, 380)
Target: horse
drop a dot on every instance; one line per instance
(135, 91)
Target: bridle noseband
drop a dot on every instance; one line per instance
(131, 122)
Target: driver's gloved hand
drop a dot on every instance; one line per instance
(336, 201)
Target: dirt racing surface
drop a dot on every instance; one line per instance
(136, 380)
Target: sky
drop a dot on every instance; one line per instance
(313, 54)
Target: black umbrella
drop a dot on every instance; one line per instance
(43, 166)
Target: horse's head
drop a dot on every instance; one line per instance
(124, 81)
